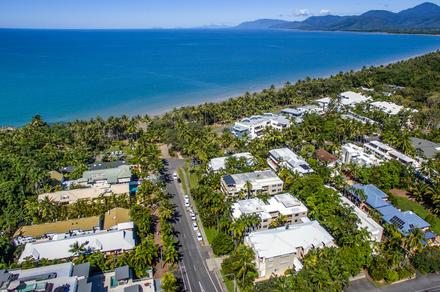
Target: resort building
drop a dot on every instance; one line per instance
(351, 99)
(324, 103)
(114, 241)
(358, 118)
(354, 154)
(122, 280)
(386, 152)
(219, 163)
(387, 107)
(254, 126)
(59, 277)
(107, 165)
(425, 148)
(365, 221)
(90, 193)
(116, 175)
(297, 114)
(285, 158)
(279, 205)
(280, 249)
(265, 182)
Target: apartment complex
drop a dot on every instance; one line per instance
(354, 154)
(117, 175)
(254, 126)
(265, 182)
(351, 99)
(279, 205)
(285, 158)
(280, 249)
(386, 152)
(219, 163)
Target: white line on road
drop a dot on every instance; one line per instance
(187, 279)
(201, 287)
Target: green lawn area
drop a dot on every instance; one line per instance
(193, 180)
(228, 283)
(408, 205)
(211, 233)
(181, 174)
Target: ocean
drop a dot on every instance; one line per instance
(75, 74)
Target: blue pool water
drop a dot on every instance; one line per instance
(70, 74)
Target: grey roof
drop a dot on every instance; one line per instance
(105, 165)
(122, 273)
(4, 277)
(110, 174)
(133, 288)
(84, 286)
(81, 270)
(427, 148)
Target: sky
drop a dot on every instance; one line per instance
(175, 13)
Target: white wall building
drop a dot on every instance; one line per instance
(279, 249)
(107, 241)
(387, 107)
(265, 182)
(284, 157)
(254, 126)
(386, 152)
(282, 204)
(351, 99)
(324, 103)
(219, 163)
(356, 155)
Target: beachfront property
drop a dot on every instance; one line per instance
(90, 193)
(351, 99)
(219, 163)
(279, 205)
(114, 219)
(425, 148)
(59, 277)
(115, 175)
(354, 154)
(387, 107)
(114, 241)
(277, 250)
(286, 158)
(376, 200)
(254, 126)
(385, 152)
(297, 114)
(365, 221)
(264, 182)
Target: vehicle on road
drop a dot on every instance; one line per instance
(199, 236)
(175, 177)
(195, 227)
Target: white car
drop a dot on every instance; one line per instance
(186, 198)
(195, 227)
(186, 204)
(175, 177)
(193, 217)
(199, 236)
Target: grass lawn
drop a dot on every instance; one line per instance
(409, 205)
(228, 283)
(193, 180)
(211, 233)
(181, 174)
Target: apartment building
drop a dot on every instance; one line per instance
(351, 99)
(254, 126)
(265, 182)
(354, 154)
(286, 158)
(385, 152)
(219, 163)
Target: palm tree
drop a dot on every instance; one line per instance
(170, 254)
(246, 271)
(414, 241)
(144, 256)
(77, 249)
(169, 283)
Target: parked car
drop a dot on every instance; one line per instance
(186, 197)
(199, 236)
(193, 217)
(195, 227)
(175, 177)
(187, 204)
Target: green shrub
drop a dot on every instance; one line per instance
(428, 260)
(222, 244)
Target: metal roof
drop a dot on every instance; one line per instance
(122, 273)
(375, 197)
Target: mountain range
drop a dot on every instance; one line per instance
(424, 18)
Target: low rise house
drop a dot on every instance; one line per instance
(298, 113)
(425, 148)
(219, 163)
(375, 198)
(116, 175)
(114, 241)
(59, 277)
(386, 152)
(265, 182)
(405, 222)
(387, 107)
(365, 221)
(254, 126)
(93, 192)
(284, 157)
(326, 157)
(324, 103)
(279, 205)
(358, 118)
(280, 249)
(351, 99)
(354, 154)
(122, 280)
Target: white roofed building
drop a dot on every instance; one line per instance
(219, 163)
(387, 107)
(354, 154)
(351, 99)
(387, 152)
(284, 157)
(254, 126)
(279, 205)
(107, 241)
(280, 249)
(265, 182)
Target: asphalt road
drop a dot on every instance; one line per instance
(427, 283)
(192, 266)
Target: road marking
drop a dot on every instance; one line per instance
(201, 287)
(429, 289)
(187, 279)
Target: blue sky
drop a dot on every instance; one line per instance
(174, 13)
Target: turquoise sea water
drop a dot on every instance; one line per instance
(69, 74)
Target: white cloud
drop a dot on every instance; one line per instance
(324, 12)
(302, 13)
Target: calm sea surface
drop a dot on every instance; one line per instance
(69, 74)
